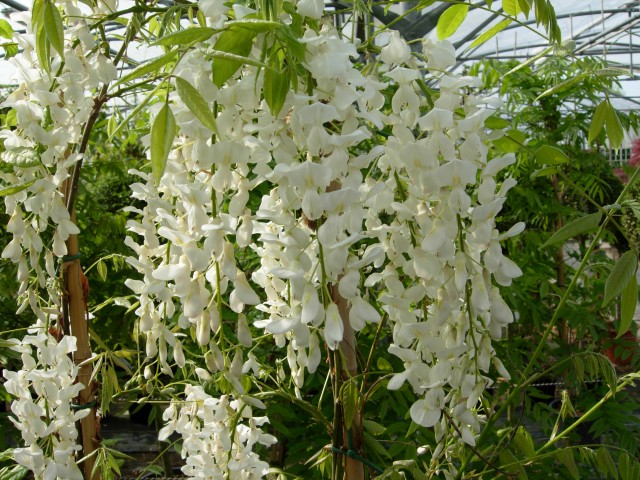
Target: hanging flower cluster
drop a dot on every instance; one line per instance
(218, 435)
(52, 104)
(373, 185)
(44, 390)
(409, 216)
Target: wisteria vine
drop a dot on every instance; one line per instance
(378, 189)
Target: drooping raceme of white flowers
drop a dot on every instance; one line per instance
(44, 390)
(391, 200)
(51, 110)
(218, 435)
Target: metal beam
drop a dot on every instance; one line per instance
(15, 5)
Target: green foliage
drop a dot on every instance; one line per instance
(109, 460)
(198, 105)
(9, 470)
(163, 132)
(236, 41)
(579, 226)
(451, 20)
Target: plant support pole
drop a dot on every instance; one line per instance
(352, 437)
(80, 330)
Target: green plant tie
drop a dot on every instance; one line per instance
(354, 454)
(75, 406)
(70, 258)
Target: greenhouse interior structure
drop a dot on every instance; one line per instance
(309, 239)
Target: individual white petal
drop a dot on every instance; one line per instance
(315, 355)
(333, 327)
(312, 204)
(517, 229)
(13, 250)
(500, 311)
(311, 306)
(244, 291)
(362, 312)
(178, 354)
(396, 51)
(170, 272)
(244, 334)
(440, 55)
(423, 414)
(397, 380)
(311, 8)
(348, 285)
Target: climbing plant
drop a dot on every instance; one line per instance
(313, 222)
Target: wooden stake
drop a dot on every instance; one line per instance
(80, 330)
(354, 469)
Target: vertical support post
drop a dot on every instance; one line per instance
(80, 329)
(354, 469)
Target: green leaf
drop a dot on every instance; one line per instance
(375, 446)
(620, 276)
(624, 465)
(565, 456)
(293, 44)
(43, 48)
(612, 72)
(186, 37)
(10, 50)
(608, 371)
(524, 443)
(37, 13)
(237, 42)
(111, 124)
(597, 122)
(276, 87)
(615, 132)
(22, 157)
(566, 407)
(232, 57)
(134, 112)
(511, 142)
(151, 66)
(53, 26)
(255, 25)
(13, 472)
(496, 123)
(163, 132)
(544, 172)
(561, 86)
(384, 365)
(374, 428)
(16, 188)
(549, 155)
(577, 227)
(529, 61)
(6, 31)
(525, 6)
(510, 463)
(511, 7)
(628, 468)
(605, 464)
(349, 397)
(489, 34)
(102, 270)
(451, 19)
(196, 103)
(628, 304)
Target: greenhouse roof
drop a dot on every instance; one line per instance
(603, 28)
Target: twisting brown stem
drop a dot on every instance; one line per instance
(72, 191)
